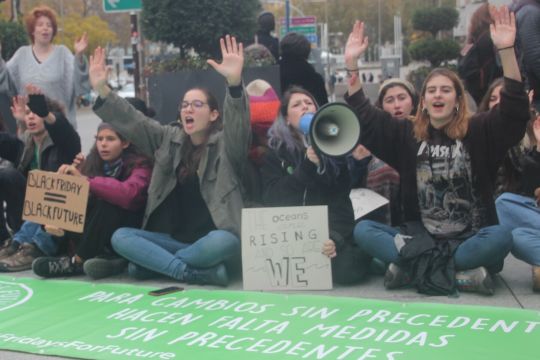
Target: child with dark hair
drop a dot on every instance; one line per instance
(118, 176)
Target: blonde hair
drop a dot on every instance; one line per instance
(457, 128)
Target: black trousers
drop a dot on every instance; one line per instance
(102, 220)
(12, 191)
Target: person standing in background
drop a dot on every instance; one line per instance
(52, 68)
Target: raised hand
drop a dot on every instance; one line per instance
(81, 44)
(36, 101)
(18, 107)
(503, 28)
(98, 72)
(356, 44)
(233, 60)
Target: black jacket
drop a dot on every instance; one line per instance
(285, 185)
(11, 147)
(488, 138)
(299, 72)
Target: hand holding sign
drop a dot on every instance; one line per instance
(329, 248)
(69, 170)
(54, 230)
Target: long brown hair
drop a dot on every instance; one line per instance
(484, 103)
(457, 128)
(479, 25)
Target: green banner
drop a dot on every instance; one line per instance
(113, 321)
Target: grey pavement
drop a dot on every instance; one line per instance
(513, 284)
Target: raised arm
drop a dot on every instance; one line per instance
(81, 84)
(356, 45)
(145, 133)
(503, 35)
(233, 60)
(236, 125)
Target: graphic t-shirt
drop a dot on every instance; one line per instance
(449, 206)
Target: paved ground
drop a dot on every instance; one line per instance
(513, 284)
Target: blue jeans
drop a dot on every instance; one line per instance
(488, 247)
(516, 211)
(522, 215)
(527, 245)
(165, 255)
(33, 233)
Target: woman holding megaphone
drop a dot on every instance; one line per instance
(447, 161)
(291, 176)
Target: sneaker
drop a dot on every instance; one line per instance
(22, 259)
(536, 278)
(396, 277)
(56, 266)
(101, 267)
(475, 280)
(216, 275)
(9, 248)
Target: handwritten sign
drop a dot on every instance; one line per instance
(365, 201)
(56, 199)
(281, 248)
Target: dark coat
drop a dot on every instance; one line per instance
(489, 136)
(285, 185)
(300, 72)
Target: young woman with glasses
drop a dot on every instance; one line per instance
(191, 225)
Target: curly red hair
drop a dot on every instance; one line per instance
(35, 14)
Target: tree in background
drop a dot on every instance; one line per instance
(98, 31)
(12, 36)
(433, 21)
(199, 24)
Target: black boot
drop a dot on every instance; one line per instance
(216, 275)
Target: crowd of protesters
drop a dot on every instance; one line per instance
(166, 200)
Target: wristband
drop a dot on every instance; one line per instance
(504, 48)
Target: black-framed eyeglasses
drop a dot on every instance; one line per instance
(195, 104)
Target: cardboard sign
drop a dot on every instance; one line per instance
(56, 199)
(281, 248)
(365, 201)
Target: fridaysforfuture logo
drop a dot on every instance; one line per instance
(13, 294)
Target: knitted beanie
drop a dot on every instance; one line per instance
(264, 105)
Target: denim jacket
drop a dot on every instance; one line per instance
(221, 166)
